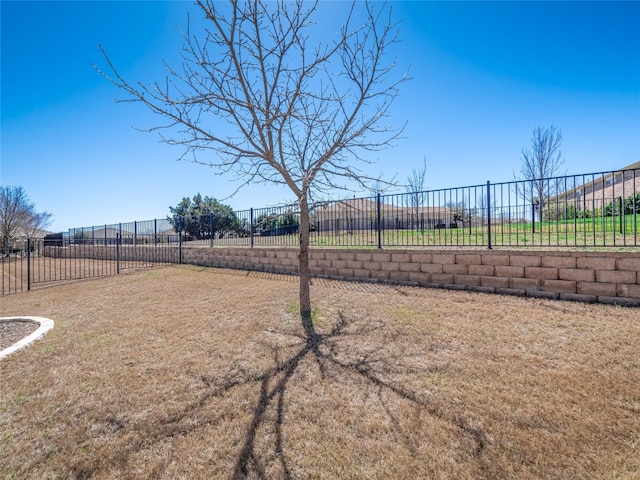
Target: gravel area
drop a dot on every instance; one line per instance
(13, 331)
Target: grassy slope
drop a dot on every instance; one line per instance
(181, 372)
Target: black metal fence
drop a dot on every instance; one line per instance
(588, 210)
(39, 261)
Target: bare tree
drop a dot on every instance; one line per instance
(416, 189)
(540, 164)
(481, 207)
(302, 114)
(380, 187)
(18, 216)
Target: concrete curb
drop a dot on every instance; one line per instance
(46, 324)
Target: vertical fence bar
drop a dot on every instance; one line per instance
(613, 206)
(621, 212)
(623, 209)
(180, 226)
(118, 238)
(575, 209)
(211, 229)
(489, 215)
(635, 206)
(28, 264)
(251, 227)
(119, 243)
(378, 221)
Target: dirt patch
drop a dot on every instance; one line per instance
(12, 331)
(183, 372)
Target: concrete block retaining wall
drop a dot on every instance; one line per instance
(127, 253)
(605, 277)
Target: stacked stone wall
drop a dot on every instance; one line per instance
(606, 277)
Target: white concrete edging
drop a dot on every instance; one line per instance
(46, 324)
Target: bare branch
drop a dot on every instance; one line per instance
(18, 216)
(540, 164)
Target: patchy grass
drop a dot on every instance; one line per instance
(185, 372)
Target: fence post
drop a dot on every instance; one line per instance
(28, 264)
(155, 231)
(533, 217)
(489, 246)
(251, 227)
(118, 240)
(378, 222)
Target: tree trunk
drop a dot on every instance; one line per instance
(305, 275)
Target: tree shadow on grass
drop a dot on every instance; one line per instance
(325, 350)
(348, 350)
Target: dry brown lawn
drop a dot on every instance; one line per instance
(195, 373)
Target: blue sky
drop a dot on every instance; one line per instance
(484, 75)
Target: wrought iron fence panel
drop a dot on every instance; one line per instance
(39, 261)
(584, 210)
